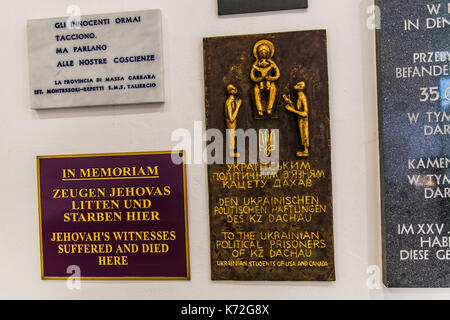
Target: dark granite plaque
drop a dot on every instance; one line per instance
(113, 216)
(270, 196)
(247, 6)
(414, 99)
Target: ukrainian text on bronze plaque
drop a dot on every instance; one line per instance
(269, 157)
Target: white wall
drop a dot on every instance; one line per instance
(25, 133)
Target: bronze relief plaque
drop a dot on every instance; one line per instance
(269, 157)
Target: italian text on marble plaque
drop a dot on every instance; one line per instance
(113, 216)
(247, 6)
(414, 121)
(107, 59)
(269, 156)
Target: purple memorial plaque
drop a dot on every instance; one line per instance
(113, 216)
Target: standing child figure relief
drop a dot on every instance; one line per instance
(232, 106)
(302, 111)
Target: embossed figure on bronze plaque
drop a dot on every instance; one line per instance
(270, 197)
(232, 107)
(264, 74)
(302, 112)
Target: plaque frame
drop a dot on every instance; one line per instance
(186, 220)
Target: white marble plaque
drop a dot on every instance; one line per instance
(105, 59)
